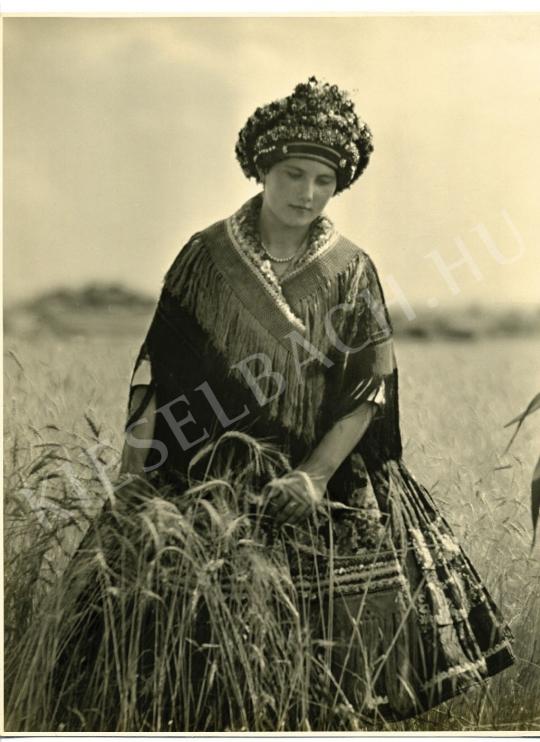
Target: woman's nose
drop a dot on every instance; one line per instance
(308, 188)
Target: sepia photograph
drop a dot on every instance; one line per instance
(271, 373)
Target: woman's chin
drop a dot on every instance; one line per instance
(298, 217)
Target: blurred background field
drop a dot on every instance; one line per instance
(456, 396)
(115, 309)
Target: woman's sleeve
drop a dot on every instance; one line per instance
(368, 357)
(141, 377)
(155, 364)
(143, 374)
(377, 396)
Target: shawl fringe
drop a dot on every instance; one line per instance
(249, 348)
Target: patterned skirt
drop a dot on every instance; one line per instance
(408, 620)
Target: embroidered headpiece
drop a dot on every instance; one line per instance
(317, 121)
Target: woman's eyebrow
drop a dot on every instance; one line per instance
(301, 170)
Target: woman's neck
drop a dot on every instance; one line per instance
(281, 238)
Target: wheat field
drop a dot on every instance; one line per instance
(69, 396)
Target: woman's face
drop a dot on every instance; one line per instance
(297, 190)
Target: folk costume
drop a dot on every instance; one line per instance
(233, 347)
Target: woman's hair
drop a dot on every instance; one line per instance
(317, 120)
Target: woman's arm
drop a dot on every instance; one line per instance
(298, 500)
(340, 440)
(139, 435)
(367, 331)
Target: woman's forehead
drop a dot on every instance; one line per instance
(308, 165)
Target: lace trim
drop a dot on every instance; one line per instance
(244, 228)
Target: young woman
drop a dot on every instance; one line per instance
(272, 323)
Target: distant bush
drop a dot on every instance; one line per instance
(90, 295)
(468, 323)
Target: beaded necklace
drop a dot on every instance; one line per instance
(274, 259)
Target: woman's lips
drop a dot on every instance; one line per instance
(300, 208)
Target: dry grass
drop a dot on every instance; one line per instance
(455, 399)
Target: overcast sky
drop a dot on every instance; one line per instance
(119, 142)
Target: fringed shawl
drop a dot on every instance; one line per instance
(309, 348)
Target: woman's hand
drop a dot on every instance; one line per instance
(294, 497)
(298, 494)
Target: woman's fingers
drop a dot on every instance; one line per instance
(283, 506)
(290, 504)
(277, 500)
(298, 515)
(288, 510)
(291, 513)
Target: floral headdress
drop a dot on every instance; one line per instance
(317, 121)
